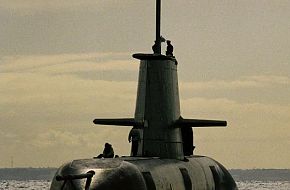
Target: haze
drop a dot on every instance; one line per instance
(64, 63)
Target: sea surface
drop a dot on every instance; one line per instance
(242, 185)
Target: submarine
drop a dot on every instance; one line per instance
(163, 159)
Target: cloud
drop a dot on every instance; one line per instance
(255, 112)
(46, 82)
(254, 131)
(258, 81)
(67, 63)
(50, 98)
(265, 89)
(46, 103)
(271, 79)
(53, 27)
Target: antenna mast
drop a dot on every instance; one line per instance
(158, 21)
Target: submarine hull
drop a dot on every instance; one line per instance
(132, 173)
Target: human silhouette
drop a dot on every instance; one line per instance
(169, 49)
(134, 136)
(187, 139)
(155, 48)
(108, 151)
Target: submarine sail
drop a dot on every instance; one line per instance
(164, 158)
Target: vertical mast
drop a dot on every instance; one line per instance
(158, 21)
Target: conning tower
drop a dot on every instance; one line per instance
(158, 107)
(157, 112)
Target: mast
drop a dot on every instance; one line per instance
(158, 23)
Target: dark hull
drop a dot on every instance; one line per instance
(134, 173)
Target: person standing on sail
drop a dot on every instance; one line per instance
(169, 49)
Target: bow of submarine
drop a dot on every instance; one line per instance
(131, 173)
(109, 173)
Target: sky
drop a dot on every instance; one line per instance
(64, 63)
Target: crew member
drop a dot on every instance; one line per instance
(134, 136)
(108, 151)
(155, 48)
(187, 139)
(169, 50)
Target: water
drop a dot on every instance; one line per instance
(27, 185)
(261, 185)
(43, 184)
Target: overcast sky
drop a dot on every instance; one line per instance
(65, 62)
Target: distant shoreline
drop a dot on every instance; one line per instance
(24, 174)
(261, 174)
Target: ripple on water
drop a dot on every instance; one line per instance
(259, 185)
(29, 185)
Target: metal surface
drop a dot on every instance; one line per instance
(149, 174)
(161, 109)
(120, 122)
(69, 178)
(199, 123)
(146, 56)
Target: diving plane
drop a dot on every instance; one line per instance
(164, 159)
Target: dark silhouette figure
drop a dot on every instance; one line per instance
(108, 152)
(155, 48)
(169, 50)
(134, 136)
(187, 139)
